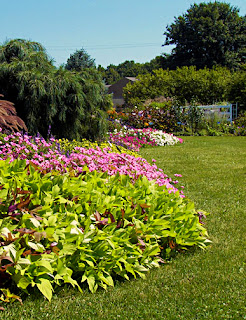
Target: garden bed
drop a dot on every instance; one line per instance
(74, 214)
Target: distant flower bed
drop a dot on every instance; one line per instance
(134, 139)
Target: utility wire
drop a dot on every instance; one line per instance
(102, 47)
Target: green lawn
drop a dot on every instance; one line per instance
(196, 285)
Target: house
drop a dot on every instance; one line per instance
(117, 90)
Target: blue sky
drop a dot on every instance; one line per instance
(111, 31)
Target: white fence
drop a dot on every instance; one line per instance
(228, 112)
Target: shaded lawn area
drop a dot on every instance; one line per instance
(195, 285)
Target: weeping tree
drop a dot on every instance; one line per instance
(74, 103)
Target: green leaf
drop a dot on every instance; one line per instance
(9, 297)
(152, 250)
(45, 287)
(52, 221)
(55, 191)
(23, 282)
(24, 261)
(36, 246)
(91, 282)
(68, 249)
(46, 264)
(3, 193)
(35, 222)
(107, 279)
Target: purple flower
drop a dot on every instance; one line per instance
(12, 207)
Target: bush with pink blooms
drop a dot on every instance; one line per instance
(49, 156)
(134, 139)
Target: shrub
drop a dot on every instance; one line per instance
(57, 229)
(9, 121)
(240, 125)
(160, 116)
(134, 139)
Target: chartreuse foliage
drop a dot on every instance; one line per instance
(57, 229)
(68, 146)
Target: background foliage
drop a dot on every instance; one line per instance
(208, 34)
(186, 85)
(73, 103)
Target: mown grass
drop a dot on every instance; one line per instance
(195, 285)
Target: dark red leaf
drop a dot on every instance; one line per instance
(27, 252)
(75, 198)
(24, 231)
(12, 208)
(55, 250)
(122, 213)
(172, 244)
(112, 218)
(144, 205)
(33, 165)
(24, 203)
(119, 223)
(19, 191)
(5, 267)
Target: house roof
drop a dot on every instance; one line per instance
(131, 78)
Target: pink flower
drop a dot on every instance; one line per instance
(178, 175)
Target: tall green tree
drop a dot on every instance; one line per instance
(80, 60)
(130, 68)
(73, 103)
(186, 85)
(237, 88)
(208, 34)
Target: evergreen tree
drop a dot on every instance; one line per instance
(80, 60)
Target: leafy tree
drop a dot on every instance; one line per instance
(237, 88)
(156, 63)
(149, 86)
(110, 74)
(208, 34)
(187, 85)
(80, 60)
(203, 86)
(130, 69)
(73, 103)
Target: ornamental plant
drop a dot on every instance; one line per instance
(9, 121)
(134, 139)
(90, 228)
(240, 125)
(60, 155)
(157, 115)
